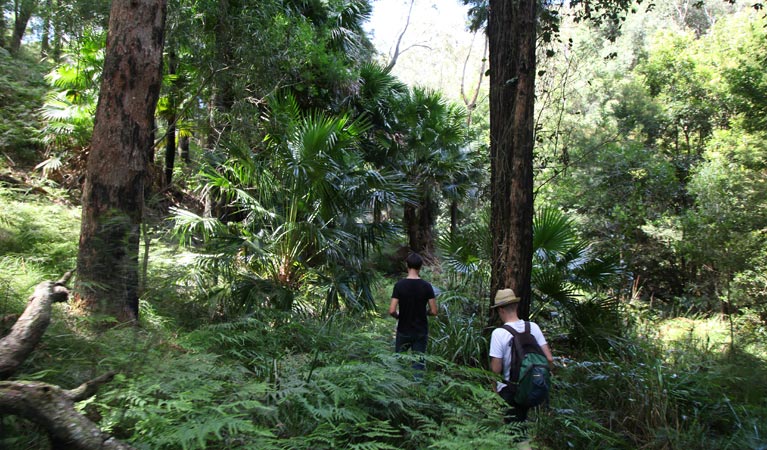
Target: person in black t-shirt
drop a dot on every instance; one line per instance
(409, 300)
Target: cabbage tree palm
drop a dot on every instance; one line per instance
(379, 98)
(303, 205)
(423, 135)
(433, 151)
(569, 277)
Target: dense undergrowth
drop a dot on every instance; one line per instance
(22, 85)
(188, 379)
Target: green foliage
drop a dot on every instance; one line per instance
(744, 72)
(304, 206)
(458, 335)
(596, 324)
(376, 404)
(654, 120)
(654, 153)
(38, 240)
(71, 103)
(658, 395)
(723, 230)
(321, 385)
(675, 77)
(78, 17)
(564, 265)
(435, 157)
(276, 380)
(21, 92)
(466, 256)
(193, 402)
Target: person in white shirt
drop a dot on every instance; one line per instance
(500, 351)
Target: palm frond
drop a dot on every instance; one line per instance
(550, 285)
(188, 224)
(552, 232)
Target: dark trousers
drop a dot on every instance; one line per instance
(515, 413)
(414, 342)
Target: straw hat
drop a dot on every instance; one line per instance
(505, 297)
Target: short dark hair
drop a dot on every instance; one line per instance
(414, 261)
(511, 307)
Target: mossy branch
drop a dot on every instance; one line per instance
(48, 405)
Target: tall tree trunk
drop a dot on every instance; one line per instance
(410, 219)
(170, 149)
(419, 222)
(511, 37)
(454, 211)
(426, 220)
(3, 25)
(170, 137)
(183, 144)
(24, 11)
(57, 32)
(45, 40)
(121, 148)
(223, 91)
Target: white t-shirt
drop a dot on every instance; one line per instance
(499, 345)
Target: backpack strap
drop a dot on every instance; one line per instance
(515, 346)
(514, 332)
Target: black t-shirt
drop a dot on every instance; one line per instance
(413, 295)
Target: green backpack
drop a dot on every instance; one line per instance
(530, 377)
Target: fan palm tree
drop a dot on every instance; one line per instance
(347, 31)
(569, 276)
(564, 266)
(304, 204)
(433, 149)
(379, 98)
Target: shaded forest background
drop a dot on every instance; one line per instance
(291, 172)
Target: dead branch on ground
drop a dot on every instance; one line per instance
(45, 404)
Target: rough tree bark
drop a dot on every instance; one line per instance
(511, 37)
(57, 33)
(121, 149)
(48, 405)
(419, 221)
(23, 10)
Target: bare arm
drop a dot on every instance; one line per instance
(496, 365)
(547, 351)
(393, 308)
(432, 307)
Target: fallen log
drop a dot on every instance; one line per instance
(30, 327)
(46, 404)
(54, 409)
